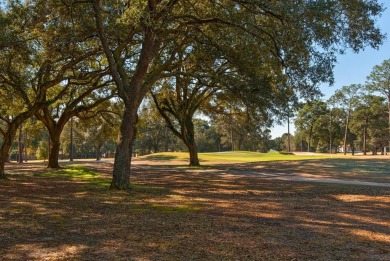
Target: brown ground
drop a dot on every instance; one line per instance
(192, 215)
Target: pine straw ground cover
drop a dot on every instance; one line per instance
(174, 215)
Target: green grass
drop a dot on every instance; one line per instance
(78, 173)
(247, 156)
(166, 156)
(231, 157)
(160, 157)
(94, 180)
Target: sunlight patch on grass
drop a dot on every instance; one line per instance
(247, 156)
(363, 219)
(78, 173)
(166, 156)
(42, 252)
(372, 236)
(230, 157)
(360, 198)
(269, 215)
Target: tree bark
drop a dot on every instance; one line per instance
(98, 151)
(309, 141)
(166, 144)
(186, 132)
(388, 108)
(122, 163)
(9, 136)
(20, 144)
(364, 140)
(188, 136)
(2, 166)
(25, 147)
(71, 140)
(330, 133)
(54, 130)
(288, 132)
(5, 147)
(194, 160)
(54, 152)
(130, 89)
(346, 132)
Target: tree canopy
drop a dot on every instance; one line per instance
(275, 50)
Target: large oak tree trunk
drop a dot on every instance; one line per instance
(4, 156)
(122, 163)
(188, 136)
(132, 90)
(55, 131)
(194, 160)
(6, 146)
(54, 153)
(2, 166)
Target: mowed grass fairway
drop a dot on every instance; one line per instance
(228, 157)
(217, 213)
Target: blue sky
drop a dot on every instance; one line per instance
(354, 67)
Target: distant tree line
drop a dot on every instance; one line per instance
(355, 118)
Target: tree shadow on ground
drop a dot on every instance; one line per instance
(173, 215)
(374, 170)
